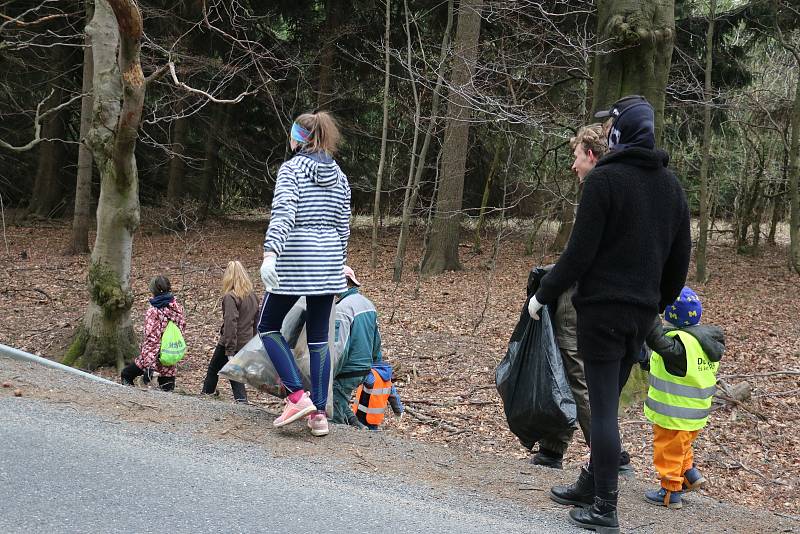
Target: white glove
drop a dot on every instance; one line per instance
(268, 273)
(533, 308)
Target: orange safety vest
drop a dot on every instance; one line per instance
(370, 403)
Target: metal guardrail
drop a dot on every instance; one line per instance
(17, 354)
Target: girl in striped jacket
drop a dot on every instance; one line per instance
(304, 254)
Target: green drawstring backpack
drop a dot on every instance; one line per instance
(173, 346)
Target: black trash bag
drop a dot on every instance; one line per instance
(535, 279)
(537, 399)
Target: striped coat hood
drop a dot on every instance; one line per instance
(320, 167)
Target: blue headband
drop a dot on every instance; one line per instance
(300, 134)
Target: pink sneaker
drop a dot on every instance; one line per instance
(318, 423)
(295, 410)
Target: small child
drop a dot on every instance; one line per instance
(683, 368)
(375, 392)
(239, 323)
(163, 308)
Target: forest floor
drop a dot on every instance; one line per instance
(446, 334)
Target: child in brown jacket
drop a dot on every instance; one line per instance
(239, 321)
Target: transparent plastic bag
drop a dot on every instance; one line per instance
(252, 366)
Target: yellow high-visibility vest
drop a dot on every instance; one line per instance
(682, 402)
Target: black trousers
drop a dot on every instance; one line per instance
(218, 361)
(610, 339)
(131, 371)
(605, 380)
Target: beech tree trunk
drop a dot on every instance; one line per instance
(636, 53)
(106, 335)
(83, 185)
(441, 254)
(702, 242)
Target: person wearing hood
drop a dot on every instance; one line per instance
(163, 309)
(629, 252)
(683, 369)
(305, 250)
(588, 146)
(358, 348)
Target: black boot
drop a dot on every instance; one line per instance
(600, 517)
(166, 383)
(581, 493)
(129, 374)
(547, 458)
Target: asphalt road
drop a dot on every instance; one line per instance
(65, 471)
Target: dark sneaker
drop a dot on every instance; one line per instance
(693, 479)
(593, 518)
(546, 460)
(581, 493)
(664, 497)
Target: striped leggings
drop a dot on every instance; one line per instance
(318, 311)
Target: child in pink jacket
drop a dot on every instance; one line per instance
(163, 308)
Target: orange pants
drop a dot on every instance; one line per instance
(672, 455)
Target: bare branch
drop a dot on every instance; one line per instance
(209, 96)
(22, 24)
(37, 123)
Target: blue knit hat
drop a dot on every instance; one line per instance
(686, 310)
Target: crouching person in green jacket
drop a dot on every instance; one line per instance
(358, 346)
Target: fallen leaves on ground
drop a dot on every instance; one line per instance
(446, 334)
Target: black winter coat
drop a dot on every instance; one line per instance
(631, 243)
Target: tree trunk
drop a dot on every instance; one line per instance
(48, 191)
(412, 188)
(325, 88)
(442, 251)
(106, 335)
(485, 199)
(794, 178)
(177, 165)
(700, 257)
(219, 117)
(567, 217)
(777, 215)
(83, 184)
(376, 207)
(748, 214)
(756, 224)
(636, 52)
